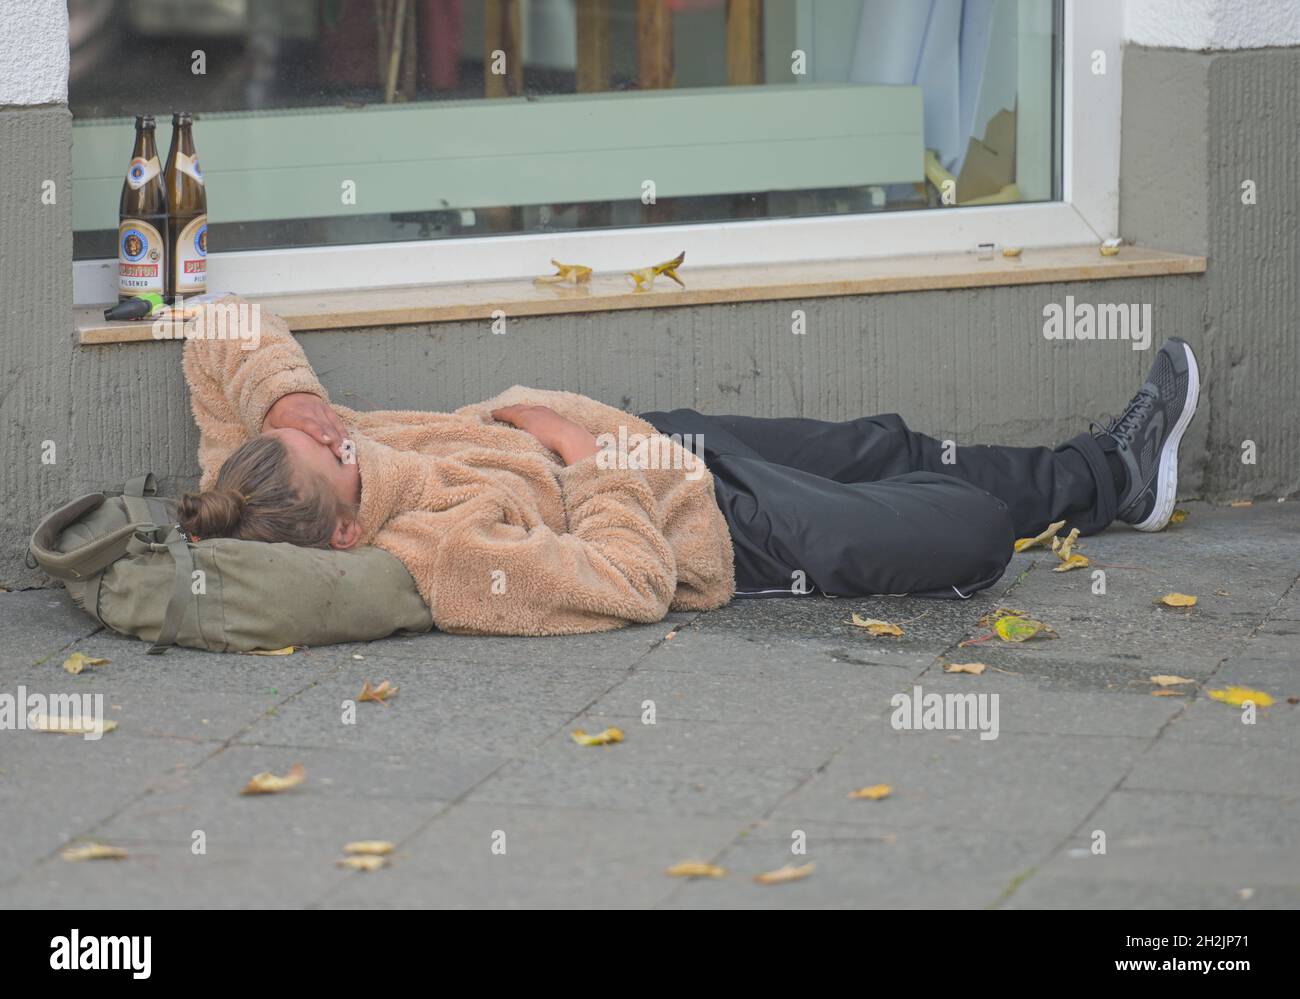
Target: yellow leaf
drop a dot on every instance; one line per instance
(1178, 516)
(1063, 549)
(576, 273)
(644, 277)
(1011, 251)
(369, 847)
(362, 863)
(380, 694)
(1043, 538)
(1168, 693)
(785, 874)
(93, 851)
(605, 738)
(696, 869)
(286, 651)
(78, 725)
(1177, 600)
(877, 628)
(974, 668)
(268, 783)
(873, 793)
(78, 661)
(1237, 696)
(1021, 629)
(1167, 680)
(987, 620)
(1075, 561)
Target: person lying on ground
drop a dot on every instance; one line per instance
(516, 515)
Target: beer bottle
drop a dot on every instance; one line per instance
(187, 214)
(142, 219)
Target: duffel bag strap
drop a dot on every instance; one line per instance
(180, 597)
(140, 496)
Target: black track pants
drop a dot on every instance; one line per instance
(868, 506)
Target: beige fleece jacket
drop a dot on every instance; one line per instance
(499, 535)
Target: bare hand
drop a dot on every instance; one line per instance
(308, 413)
(566, 438)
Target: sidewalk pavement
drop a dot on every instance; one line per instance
(767, 714)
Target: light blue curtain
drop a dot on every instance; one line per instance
(942, 46)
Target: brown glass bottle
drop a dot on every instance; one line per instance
(142, 219)
(187, 214)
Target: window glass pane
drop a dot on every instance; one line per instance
(324, 122)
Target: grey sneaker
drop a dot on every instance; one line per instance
(1148, 432)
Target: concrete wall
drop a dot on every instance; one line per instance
(1196, 127)
(36, 343)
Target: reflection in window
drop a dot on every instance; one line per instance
(446, 118)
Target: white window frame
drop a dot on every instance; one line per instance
(1089, 213)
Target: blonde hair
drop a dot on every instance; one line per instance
(258, 497)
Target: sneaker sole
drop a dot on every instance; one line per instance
(1167, 476)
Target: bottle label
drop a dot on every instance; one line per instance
(140, 249)
(189, 165)
(141, 171)
(191, 261)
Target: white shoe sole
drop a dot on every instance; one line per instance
(1167, 476)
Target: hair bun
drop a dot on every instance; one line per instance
(212, 513)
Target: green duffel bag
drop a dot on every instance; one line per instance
(126, 563)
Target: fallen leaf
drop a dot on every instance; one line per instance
(286, 651)
(269, 783)
(873, 793)
(379, 694)
(93, 851)
(1177, 600)
(576, 273)
(877, 628)
(78, 661)
(644, 278)
(369, 847)
(362, 863)
(1237, 696)
(782, 875)
(696, 869)
(1178, 516)
(1168, 693)
(1293, 700)
(1063, 549)
(975, 668)
(1075, 561)
(605, 738)
(1222, 593)
(1021, 629)
(1168, 680)
(1011, 251)
(75, 726)
(987, 620)
(1242, 503)
(1043, 538)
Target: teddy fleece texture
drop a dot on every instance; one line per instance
(499, 535)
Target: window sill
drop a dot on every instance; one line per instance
(422, 304)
